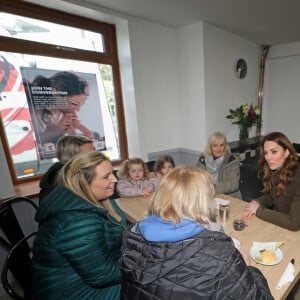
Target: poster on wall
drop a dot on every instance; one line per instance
(63, 103)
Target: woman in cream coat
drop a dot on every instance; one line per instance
(224, 167)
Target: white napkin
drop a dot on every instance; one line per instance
(237, 243)
(287, 276)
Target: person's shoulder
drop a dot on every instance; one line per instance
(213, 234)
(216, 240)
(232, 158)
(50, 176)
(201, 156)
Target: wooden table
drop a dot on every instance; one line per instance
(256, 231)
(134, 207)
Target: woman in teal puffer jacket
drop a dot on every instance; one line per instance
(77, 248)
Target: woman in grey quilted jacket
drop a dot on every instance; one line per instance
(180, 251)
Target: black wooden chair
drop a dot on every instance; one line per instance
(150, 165)
(297, 147)
(15, 216)
(18, 263)
(250, 185)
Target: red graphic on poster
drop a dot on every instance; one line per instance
(14, 110)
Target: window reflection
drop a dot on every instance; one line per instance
(46, 32)
(19, 114)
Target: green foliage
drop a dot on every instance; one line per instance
(245, 116)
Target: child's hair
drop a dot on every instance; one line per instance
(124, 171)
(158, 165)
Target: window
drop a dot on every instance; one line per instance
(36, 55)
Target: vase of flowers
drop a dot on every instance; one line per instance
(245, 116)
(243, 135)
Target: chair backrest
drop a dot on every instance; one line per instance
(18, 263)
(13, 215)
(297, 147)
(17, 226)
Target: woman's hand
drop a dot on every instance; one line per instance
(250, 209)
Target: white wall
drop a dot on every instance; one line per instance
(184, 83)
(190, 72)
(223, 90)
(154, 67)
(130, 110)
(282, 91)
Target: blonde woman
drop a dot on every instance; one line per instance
(224, 167)
(76, 250)
(180, 252)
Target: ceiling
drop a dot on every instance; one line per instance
(269, 22)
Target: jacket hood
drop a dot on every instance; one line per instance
(62, 199)
(154, 229)
(147, 261)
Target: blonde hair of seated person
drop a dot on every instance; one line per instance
(186, 192)
(215, 138)
(77, 175)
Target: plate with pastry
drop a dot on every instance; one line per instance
(268, 254)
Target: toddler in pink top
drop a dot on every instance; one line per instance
(137, 181)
